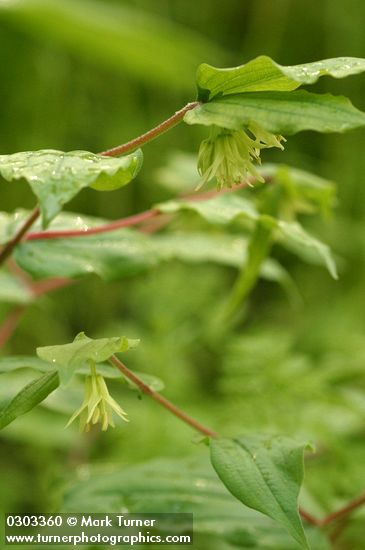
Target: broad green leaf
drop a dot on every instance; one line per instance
(229, 250)
(221, 209)
(280, 113)
(122, 253)
(111, 255)
(184, 486)
(30, 396)
(228, 208)
(68, 358)
(118, 37)
(126, 252)
(196, 248)
(13, 290)
(56, 177)
(264, 474)
(263, 74)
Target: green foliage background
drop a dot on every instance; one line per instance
(98, 81)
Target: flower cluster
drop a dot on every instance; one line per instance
(229, 155)
(98, 405)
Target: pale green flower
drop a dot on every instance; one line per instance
(230, 155)
(98, 405)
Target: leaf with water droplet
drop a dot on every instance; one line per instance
(56, 177)
(263, 74)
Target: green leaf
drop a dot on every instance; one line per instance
(30, 396)
(230, 250)
(280, 113)
(56, 177)
(13, 290)
(264, 474)
(263, 74)
(125, 252)
(68, 358)
(111, 255)
(187, 485)
(221, 209)
(228, 208)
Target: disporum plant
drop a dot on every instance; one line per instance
(246, 110)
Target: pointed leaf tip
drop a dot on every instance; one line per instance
(264, 474)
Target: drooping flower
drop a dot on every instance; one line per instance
(230, 155)
(98, 405)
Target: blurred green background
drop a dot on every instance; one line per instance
(82, 74)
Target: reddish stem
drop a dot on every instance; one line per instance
(343, 512)
(160, 399)
(151, 134)
(115, 151)
(334, 516)
(309, 518)
(113, 226)
(182, 415)
(130, 220)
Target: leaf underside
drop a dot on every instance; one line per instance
(280, 112)
(83, 350)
